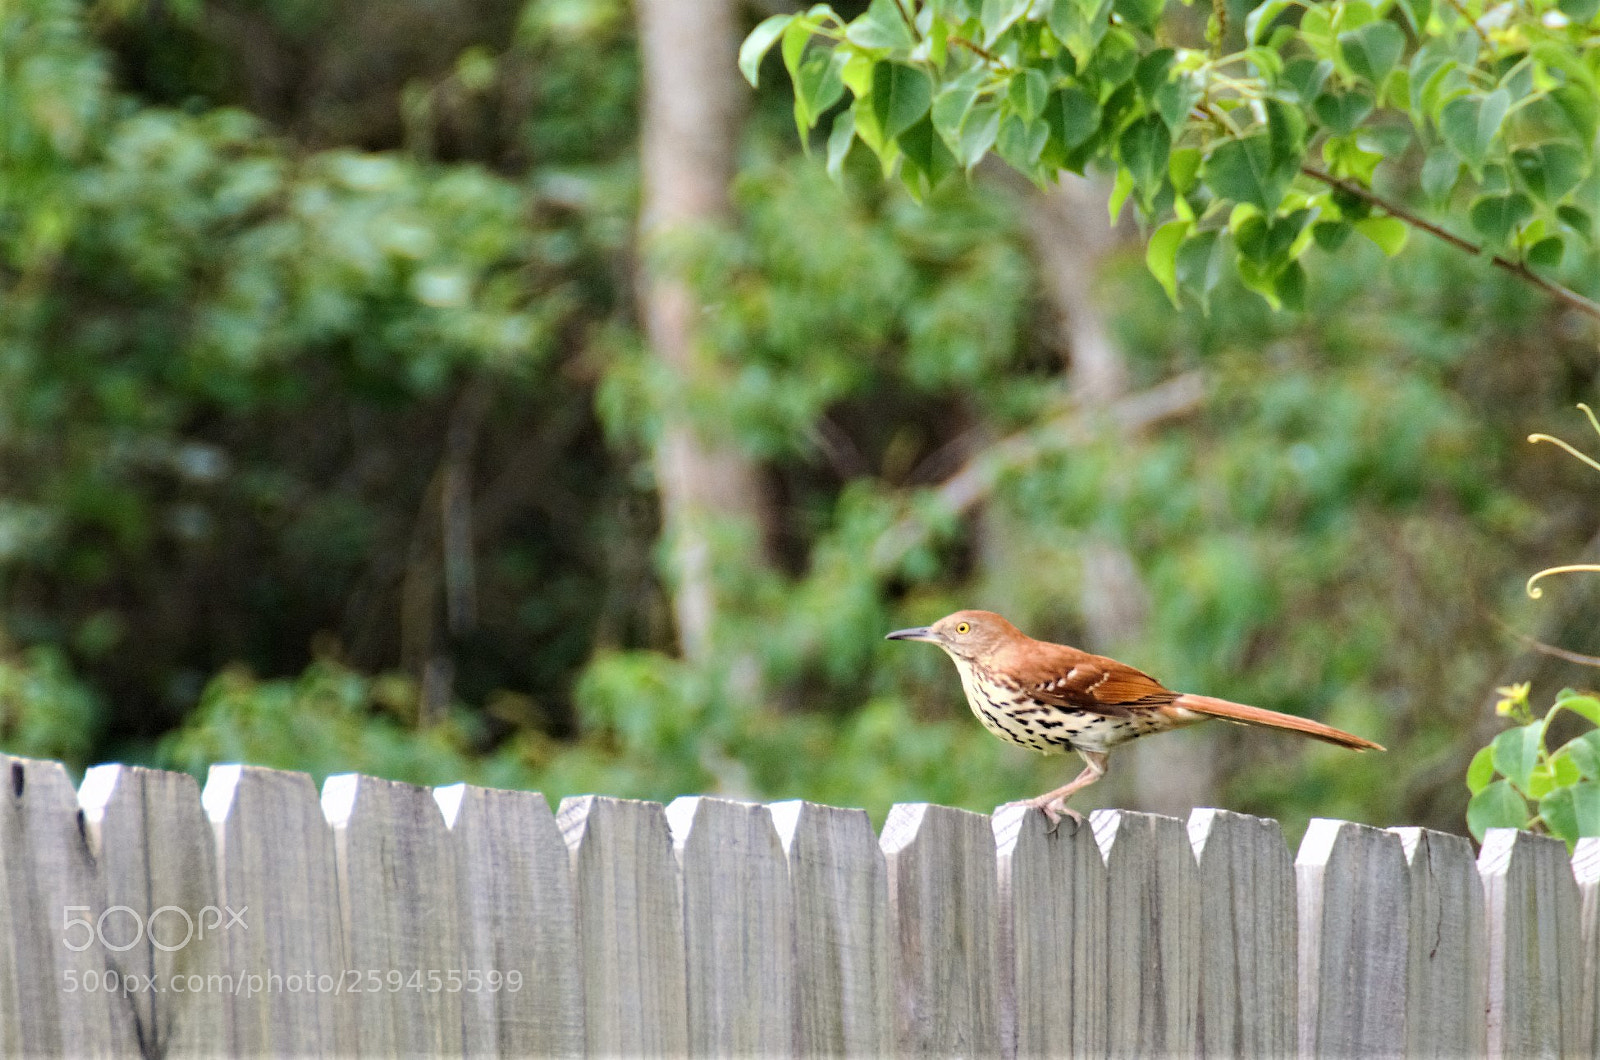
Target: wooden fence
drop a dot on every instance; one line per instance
(144, 917)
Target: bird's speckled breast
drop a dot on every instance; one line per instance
(1019, 719)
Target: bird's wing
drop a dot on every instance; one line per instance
(1066, 677)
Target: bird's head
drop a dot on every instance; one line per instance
(965, 634)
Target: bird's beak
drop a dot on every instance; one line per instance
(919, 633)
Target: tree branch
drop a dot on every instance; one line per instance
(1562, 294)
(976, 479)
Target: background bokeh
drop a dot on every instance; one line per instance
(327, 423)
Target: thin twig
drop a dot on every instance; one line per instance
(978, 50)
(1546, 649)
(1461, 9)
(1562, 294)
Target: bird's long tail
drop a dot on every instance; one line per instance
(1271, 719)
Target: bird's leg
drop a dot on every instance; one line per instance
(1054, 803)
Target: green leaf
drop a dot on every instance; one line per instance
(1440, 172)
(1389, 233)
(998, 15)
(1584, 754)
(1496, 806)
(1496, 216)
(1020, 143)
(1291, 286)
(1330, 235)
(1549, 170)
(1183, 169)
(1151, 73)
(1141, 13)
(925, 150)
(1079, 25)
(756, 46)
(1572, 813)
(818, 87)
(840, 137)
(900, 96)
(1028, 92)
(1469, 124)
(1072, 116)
(1547, 252)
(1261, 19)
(1341, 113)
(1481, 771)
(1144, 147)
(952, 102)
(978, 132)
(1587, 707)
(1243, 171)
(1306, 77)
(1516, 752)
(1576, 219)
(1162, 256)
(1372, 50)
(1579, 10)
(1200, 264)
(1417, 12)
(881, 27)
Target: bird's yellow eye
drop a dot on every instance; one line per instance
(962, 627)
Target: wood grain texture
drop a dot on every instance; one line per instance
(630, 926)
(839, 887)
(1354, 897)
(514, 885)
(1447, 967)
(738, 927)
(276, 866)
(1152, 933)
(1052, 937)
(49, 877)
(1534, 930)
(397, 902)
(1586, 871)
(1249, 1001)
(146, 830)
(942, 904)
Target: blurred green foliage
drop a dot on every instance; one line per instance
(259, 313)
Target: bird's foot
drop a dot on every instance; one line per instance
(1055, 809)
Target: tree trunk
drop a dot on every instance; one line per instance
(1071, 236)
(691, 114)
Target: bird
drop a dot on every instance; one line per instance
(1053, 698)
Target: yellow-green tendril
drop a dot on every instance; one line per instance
(1535, 592)
(1595, 423)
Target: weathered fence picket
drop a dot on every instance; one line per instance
(1586, 870)
(146, 831)
(515, 891)
(1447, 963)
(1153, 933)
(1535, 979)
(942, 907)
(1052, 937)
(53, 897)
(738, 922)
(1355, 902)
(397, 902)
(278, 875)
(1248, 919)
(839, 887)
(386, 919)
(630, 926)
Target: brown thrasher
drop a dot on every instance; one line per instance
(1053, 699)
